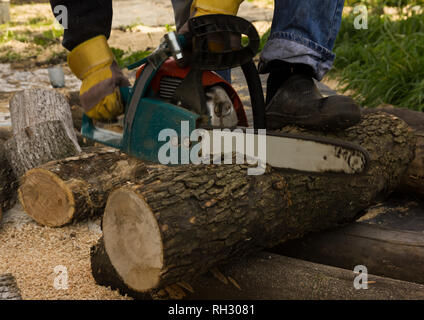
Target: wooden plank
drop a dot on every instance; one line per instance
(388, 240)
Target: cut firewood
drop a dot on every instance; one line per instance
(39, 144)
(265, 276)
(177, 222)
(8, 288)
(75, 188)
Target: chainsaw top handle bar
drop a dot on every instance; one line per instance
(203, 58)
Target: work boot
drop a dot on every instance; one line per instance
(293, 98)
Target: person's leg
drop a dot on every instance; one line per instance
(182, 14)
(86, 20)
(304, 32)
(300, 49)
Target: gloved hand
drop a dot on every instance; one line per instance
(216, 42)
(202, 7)
(93, 62)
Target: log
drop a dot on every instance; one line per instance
(263, 276)
(42, 129)
(388, 239)
(39, 144)
(8, 288)
(72, 189)
(8, 181)
(105, 275)
(177, 222)
(413, 180)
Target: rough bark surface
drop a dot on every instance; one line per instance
(413, 179)
(263, 276)
(105, 275)
(39, 144)
(208, 215)
(8, 288)
(8, 183)
(75, 188)
(34, 106)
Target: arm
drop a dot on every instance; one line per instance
(86, 20)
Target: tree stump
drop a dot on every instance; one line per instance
(42, 129)
(39, 144)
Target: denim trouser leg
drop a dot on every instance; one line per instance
(304, 32)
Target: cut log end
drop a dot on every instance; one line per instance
(133, 240)
(46, 198)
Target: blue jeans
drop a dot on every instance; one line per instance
(302, 31)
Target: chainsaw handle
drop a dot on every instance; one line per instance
(109, 138)
(256, 94)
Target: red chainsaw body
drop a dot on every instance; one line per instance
(209, 78)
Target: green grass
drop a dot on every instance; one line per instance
(125, 58)
(384, 64)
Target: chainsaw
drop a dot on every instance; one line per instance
(183, 100)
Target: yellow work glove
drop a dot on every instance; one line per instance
(93, 62)
(203, 7)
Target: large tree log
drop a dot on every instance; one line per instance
(413, 180)
(39, 144)
(42, 129)
(177, 222)
(263, 276)
(63, 191)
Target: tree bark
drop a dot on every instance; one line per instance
(34, 106)
(39, 144)
(8, 288)
(105, 275)
(42, 129)
(178, 222)
(8, 181)
(75, 188)
(263, 276)
(413, 180)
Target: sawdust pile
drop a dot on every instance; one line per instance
(32, 252)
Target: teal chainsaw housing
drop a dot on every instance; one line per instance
(140, 136)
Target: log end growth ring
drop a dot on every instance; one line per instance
(133, 240)
(46, 198)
